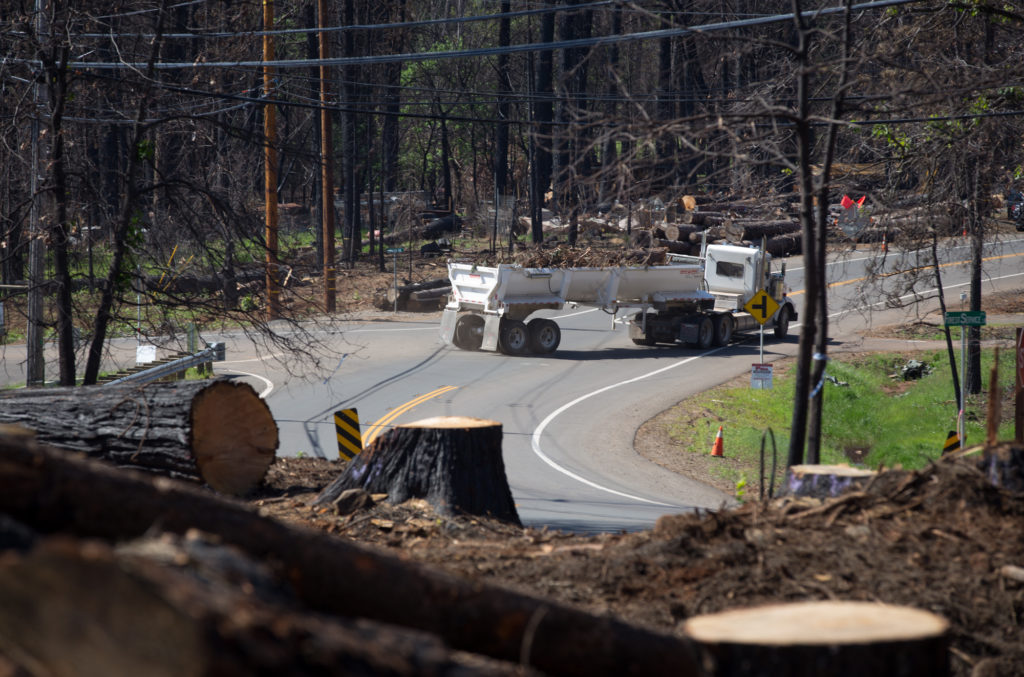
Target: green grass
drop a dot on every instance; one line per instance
(878, 419)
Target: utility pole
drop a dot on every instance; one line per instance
(35, 374)
(327, 167)
(270, 164)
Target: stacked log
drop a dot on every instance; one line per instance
(46, 490)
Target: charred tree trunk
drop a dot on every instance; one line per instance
(825, 639)
(51, 491)
(215, 431)
(453, 462)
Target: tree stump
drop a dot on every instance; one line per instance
(453, 462)
(822, 639)
(215, 431)
(823, 481)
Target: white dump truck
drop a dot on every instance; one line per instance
(699, 301)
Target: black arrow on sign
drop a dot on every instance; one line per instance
(762, 305)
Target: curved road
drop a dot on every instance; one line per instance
(569, 418)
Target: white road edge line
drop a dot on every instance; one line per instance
(535, 438)
(270, 384)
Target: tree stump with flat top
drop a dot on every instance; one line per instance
(452, 462)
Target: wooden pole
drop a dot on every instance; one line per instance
(1018, 419)
(326, 167)
(270, 164)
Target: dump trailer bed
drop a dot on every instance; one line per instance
(489, 305)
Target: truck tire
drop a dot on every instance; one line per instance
(782, 323)
(544, 335)
(469, 332)
(513, 339)
(705, 334)
(724, 326)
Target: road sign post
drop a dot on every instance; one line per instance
(762, 308)
(964, 318)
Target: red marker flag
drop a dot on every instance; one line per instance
(860, 202)
(846, 202)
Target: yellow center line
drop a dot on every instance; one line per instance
(909, 270)
(378, 426)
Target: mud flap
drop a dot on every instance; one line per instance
(491, 326)
(448, 318)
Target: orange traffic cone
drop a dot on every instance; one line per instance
(717, 447)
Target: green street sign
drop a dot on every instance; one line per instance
(395, 250)
(966, 318)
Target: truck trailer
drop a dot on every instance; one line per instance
(697, 301)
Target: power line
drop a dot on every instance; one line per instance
(484, 51)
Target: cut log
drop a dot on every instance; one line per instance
(215, 431)
(398, 297)
(675, 247)
(824, 481)
(822, 639)
(53, 491)
(453, 462)
(136, 613)
(784, 245)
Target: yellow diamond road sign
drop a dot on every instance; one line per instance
(762, 306)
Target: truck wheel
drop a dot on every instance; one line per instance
(469, 332)
(645, 341)
(782, 323)
(544, 335)
(513, 339)
(705, 334)
(723, 329)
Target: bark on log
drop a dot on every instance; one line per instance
(51, 491)
(399, 297)
(215, 431)
(784, 245)
(704, 218)
(453, 462)
(822, 639)
(824, 481)
(756, 230)
(136, 612)
(675, 247)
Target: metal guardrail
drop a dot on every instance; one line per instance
(214, 353)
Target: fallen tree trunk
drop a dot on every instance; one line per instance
(139, 612)
(215, 431)
(394, 298)
(453, 462)
(52, 491)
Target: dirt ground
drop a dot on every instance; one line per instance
(943, 539)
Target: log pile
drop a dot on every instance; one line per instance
(218, 432)
(293, 589)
